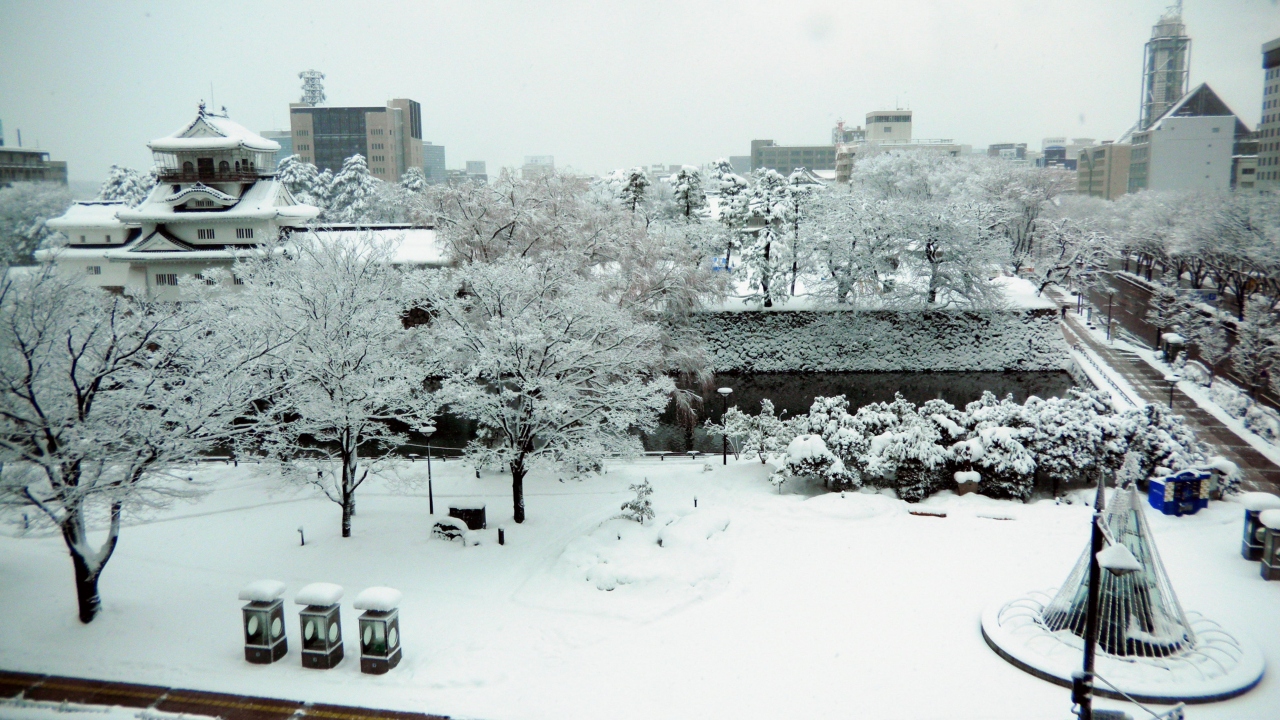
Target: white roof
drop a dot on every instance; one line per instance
(413, 246)
(266, 199)
(319, 593)
(213, 132)
(262, 591)
(89, 215)
(379, 599)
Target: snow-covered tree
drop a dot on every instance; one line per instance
(126, 185)
(544, 364)
(1254, 353)
(688, 194)
(24, 209)
(353, 193)
(952, 254)
(1022, 193)
(1063, 250)
(761, 435)
(731, 192)
(1164, 310)
(764, 238)
(102, 397)
(800, 190)
(640, 507)
(414, 180)
(856, 246)
(349, 369)
(1206, 332)
(303, 181)
(633, 189)
(1158, 438)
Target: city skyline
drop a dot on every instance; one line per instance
(601, 88)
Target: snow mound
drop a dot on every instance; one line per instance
(672, 552)
(855, 505)
(379, 599)
(970, 476)
(320, 593)
(262, 591)
(807, 447)
(1259, 501)
(1270, 518)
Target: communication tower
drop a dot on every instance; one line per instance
(312, 87)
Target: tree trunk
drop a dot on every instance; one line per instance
(517, 487)
(348, 509)
(88, 570)
(764, 280)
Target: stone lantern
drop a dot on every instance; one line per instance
(321, 624)
(264, 638)
(379, 629)
(1254, 532)
(1270, 520)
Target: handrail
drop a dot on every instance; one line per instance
(1080, 349)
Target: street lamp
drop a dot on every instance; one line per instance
(1117, 560)
(724, 408)
(427, 431)
(1110, 295)
(1173, 382)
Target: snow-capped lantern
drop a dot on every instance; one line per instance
(1183, 493)
(1270, 520)
(321, 624)
(379, 629)
(264, 638)
(1254, 531)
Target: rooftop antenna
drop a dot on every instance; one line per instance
(312, 87)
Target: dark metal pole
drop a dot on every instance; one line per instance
(1109, 317)
(1171, 386)
(724, 436)
(1091, 617)
(431, 498)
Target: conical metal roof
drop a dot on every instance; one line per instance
(1139, 614)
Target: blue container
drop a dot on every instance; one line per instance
(1181, 494)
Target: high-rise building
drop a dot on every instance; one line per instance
(1103, 171)
(1166, 66)
(1268, 135)
(433, 162)
(1189, 147)
(390, 137)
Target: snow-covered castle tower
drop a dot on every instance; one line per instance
(216, 196)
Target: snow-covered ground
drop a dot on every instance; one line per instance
(755, 604)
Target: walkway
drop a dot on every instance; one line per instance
(1259, 473)
(51, 688)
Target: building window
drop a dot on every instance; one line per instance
(204, 233)
(244, 233)
(303, 133)
(82, 239)
(108, 238)
(237, 280)
(207, 281)
(888, 128)
(166, 279)
(94, 270)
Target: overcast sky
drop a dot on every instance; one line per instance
(606, 84)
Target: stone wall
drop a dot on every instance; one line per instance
(1019, 339)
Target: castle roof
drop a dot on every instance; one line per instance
(210, 131)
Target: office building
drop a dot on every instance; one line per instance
(1189, 147)
(1166, 67)
(1008, 151)
(1062, 152)
(537, 165)
(390, 137)
(786, 158)
(1103, 171)
(283, 138)
(1268, 135)
(433, 162)
(19, 164)
(741, 164)
(889, 126)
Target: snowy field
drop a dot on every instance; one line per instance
(755, 605)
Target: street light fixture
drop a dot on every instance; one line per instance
(427, 431)
(1117, 560)
(1110, 295)
(1173, 382)
(724, 408)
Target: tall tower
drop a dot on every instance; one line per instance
(1166, 66)
(312, 87)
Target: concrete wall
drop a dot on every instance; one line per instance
(1186, 153)
(884, 340)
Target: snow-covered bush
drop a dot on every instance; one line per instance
(1229, 397)
(760, 435)
(808, 457)
(1161, 439)
(639, 508)
(1264, 421)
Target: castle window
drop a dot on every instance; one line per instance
(83, 239)
(207, 281)
(244, 233)
(204, 233)
(167, 279)
(94, 270)
(187, 167)
(224, 167)
(108, 238)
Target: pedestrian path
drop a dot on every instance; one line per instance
(52, 688)
(1259, 472)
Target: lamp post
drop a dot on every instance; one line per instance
(1173, 383)
(1110, 295)
(1117, 560)
(724, 408)
(427, 431)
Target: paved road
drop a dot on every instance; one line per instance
(1259, 473)
(53, 688)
